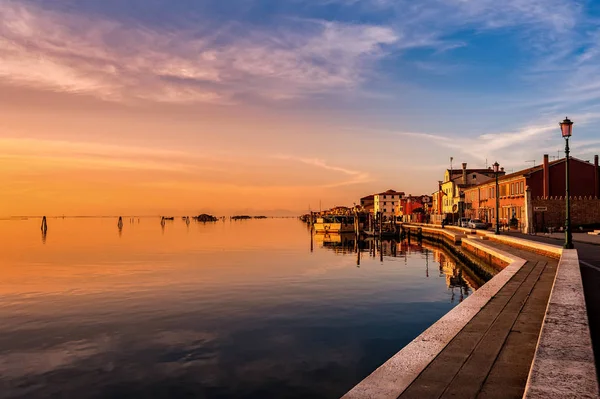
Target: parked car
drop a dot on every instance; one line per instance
(477, 224)
(463, 222)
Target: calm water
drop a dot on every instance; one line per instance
(231, 309)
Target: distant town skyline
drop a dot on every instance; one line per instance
(270, 106)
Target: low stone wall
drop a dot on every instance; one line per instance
(482, 253)
(551, 251)
(434, 233)
(564, 366)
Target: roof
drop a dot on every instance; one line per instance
(368, 197)
(458, 175)
(391, 192)
(480, 170)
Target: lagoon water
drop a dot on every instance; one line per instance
(221, 310)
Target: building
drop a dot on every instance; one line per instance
(385, 203)
(411, 208)
(449, 197)
(531, 196)
(368, 203)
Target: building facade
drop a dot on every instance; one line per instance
(450, 196)
(368, 203)
(413, 208)
(385, 203)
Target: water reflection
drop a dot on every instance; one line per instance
(213, 311)
(460, 278)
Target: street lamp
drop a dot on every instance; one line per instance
(566, 128)
(496, 172)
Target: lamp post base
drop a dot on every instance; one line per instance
(568, 245)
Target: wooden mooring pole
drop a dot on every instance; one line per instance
(44, 225)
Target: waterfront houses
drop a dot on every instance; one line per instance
(533, 198)
(448, 200)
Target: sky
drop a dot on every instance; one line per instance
(155, 107)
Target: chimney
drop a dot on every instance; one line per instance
(597, 181)
(464, 176)
(546, 178)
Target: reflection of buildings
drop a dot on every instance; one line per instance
(456, 279)
(460, 279)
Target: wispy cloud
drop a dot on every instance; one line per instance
(56, 154)
(355, 176)
(513, 146)
(69, 51)
(75, 53)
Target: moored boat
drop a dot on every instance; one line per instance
(334, 224)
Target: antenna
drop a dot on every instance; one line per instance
(533, 162)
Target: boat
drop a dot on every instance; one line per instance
(334, 224)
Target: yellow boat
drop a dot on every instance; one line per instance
(334, 224)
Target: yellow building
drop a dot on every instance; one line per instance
(454, 183)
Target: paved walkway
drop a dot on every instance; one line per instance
(589, 261)
(492, 355)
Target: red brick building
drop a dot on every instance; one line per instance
(516, 191)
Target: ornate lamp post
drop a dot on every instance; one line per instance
(496, 172)
(566, 128)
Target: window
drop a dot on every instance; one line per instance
(392, 203)
(384, 197)
(385, 210)
(474, 176)
(384, 202)
(512, 188)
(522, 187)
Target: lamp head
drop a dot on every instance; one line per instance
(566, 128)
(496, 167)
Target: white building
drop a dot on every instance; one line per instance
(387, 202)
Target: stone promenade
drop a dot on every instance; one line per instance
(492, 355)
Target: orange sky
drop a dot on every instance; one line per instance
(73, 155)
